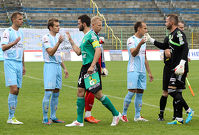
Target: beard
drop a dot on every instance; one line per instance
(81, 28)
(169, 27)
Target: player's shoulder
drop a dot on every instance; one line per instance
(131, 39)
(46, 37)
(93, 35)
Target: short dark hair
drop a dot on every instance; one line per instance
(181, 22)
(174, 18)
(51, 22)
(85, 19)
(14, 15)
(137, 25)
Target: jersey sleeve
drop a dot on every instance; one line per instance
(131, 43)
(46, 42)
(5, 38)
(183, 42)
(164, 45)
(94, 41)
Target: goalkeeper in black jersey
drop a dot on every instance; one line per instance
(176, 67)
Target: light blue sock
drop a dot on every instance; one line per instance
(127, 101)
(53, 105)
(11, 105)
(138, 104)
(45, 104)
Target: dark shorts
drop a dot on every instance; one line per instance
(171, 79)
(83, 71)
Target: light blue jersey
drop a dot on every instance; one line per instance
(16, 52)
(136, 71)
(136, 63)
(52, 65)
(49, 41)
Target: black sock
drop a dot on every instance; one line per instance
(163, 102)
(184, 103)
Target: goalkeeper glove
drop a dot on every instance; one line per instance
(179, 69)
(104, 72)
(101, 40)
(148, 38)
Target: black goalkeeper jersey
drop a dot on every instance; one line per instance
(177, 43)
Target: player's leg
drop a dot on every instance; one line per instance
(89, 101)
(127, 101)
(177, 97)
(163, 102)
(141, 86)
(108, 104)
(55, 96)
(80, 100)
(163, 99)
(49, 86)
(132, 78)
(13, 78)
(80, 108)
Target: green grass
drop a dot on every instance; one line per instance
(29, 109)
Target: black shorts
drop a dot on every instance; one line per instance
(83, 71)
(166, 77)
(171, 79)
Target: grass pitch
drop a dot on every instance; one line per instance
(29, 108)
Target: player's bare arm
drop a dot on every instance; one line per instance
(8, 46)
(51, 51)
(95, 60)
(65, 70)
(75, 47)
(148, 70)
(135, 51)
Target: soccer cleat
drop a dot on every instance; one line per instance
(124, 118)
(47, 122)
(116, 119)
(75, 123)
(14, 121)
(161, 117)
(140, 119)
(91, 119)
(56, 120)
(175, 122)
(189, 117)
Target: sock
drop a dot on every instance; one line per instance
(127, 101)
(174, 108)
(89, 101)
(185, 105)
(53, 105)
(188, 110)
(80, 108)
(45, 104)
(87, 114)
(138, 104)
(163, 102)
(11, 105)
(107, 103)
(178, 103)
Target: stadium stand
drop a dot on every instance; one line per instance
(119, 14)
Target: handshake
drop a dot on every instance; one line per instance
(147, 37)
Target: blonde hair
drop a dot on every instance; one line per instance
(95, 18)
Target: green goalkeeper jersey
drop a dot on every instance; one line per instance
(88, 45)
